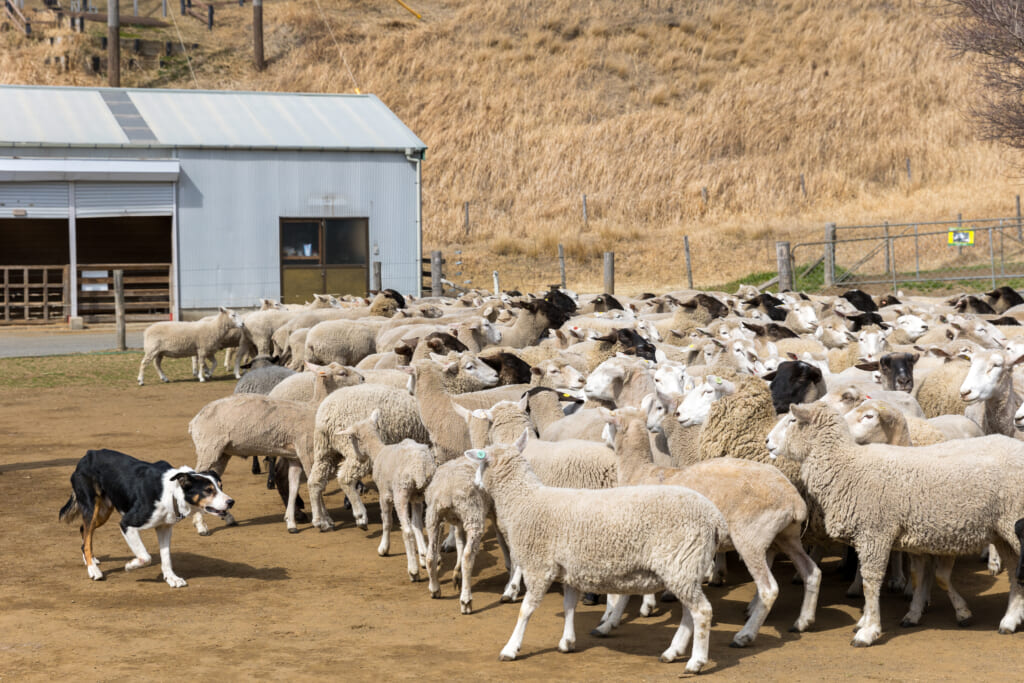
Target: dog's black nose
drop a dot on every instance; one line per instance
(231, 503)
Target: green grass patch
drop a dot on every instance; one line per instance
(108, 368)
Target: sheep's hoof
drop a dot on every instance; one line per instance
(165, 380)
(364, 526)
(507, 599)
(436, 595)
(1005, 631)
(666, 659)
(326, 528)
(590, 599)
(741, 641)
(795, 628)
(382, 553)
(293, 531)
(506, 657)
(205, 532)
(859, 643)
(466, 607)
(598, 633)
(414, 577)
(965, 622)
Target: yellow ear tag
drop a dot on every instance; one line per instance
(718, 380)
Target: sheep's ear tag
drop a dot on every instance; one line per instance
(480, 455)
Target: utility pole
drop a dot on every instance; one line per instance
(113, 44)
(257, 34)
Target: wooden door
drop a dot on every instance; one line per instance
(324, 256)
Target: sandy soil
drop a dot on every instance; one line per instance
(265, 604)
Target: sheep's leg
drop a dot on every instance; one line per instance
(416, 508)
(449, 541)
(433, 527)
(696, 622)
(205, 354)
(755, 601)
(648, 605)
(569, 599)
(403, 509)
(195, 366)
(460, 542)
(873, 559)
(897, 579)
(612, 617)
(514, 586)
(789, 542)
(316, 483)
(504, 550)
(756, 562)
(1015, 606)
(856, 588)
(146, 358)
(351, 489)
(385, 521)
(536, 587)
(921, 576)
(716, 576)
(944, 577)
(294, 478)
(469, 553)
(158, 364)
(994, 565)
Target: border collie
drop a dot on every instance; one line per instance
(148, 495)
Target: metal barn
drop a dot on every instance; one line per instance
(202, 198)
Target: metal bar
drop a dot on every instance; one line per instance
(609, 272)
(561, 263)
(435, 273)
(113, 44)
(830, 255)
(497, 287)
(992, 257)
(585, 211)
(917, 254)
(73, 249)
(909, 225)
(892, 260)
(888, 265)
(377, 280)
(119, 308)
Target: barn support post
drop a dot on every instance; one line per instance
(119, 308)
(113, 44)
(72, 254)
(609, 272)
(785, 266)
(377, 280)
(436, 287)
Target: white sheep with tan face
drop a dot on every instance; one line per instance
(696, 405)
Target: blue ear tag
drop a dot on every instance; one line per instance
(481, 455)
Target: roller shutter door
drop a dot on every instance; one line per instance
(34, 200)
(97, 200)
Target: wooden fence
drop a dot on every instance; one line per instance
(41, 294)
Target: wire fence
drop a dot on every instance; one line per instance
(919, 256)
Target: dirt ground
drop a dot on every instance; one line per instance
(263, 604)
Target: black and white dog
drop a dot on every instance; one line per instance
(148, 495)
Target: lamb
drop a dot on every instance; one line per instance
(870, 345)
(878, 421)
(681, 443)
(763, 509)
(897, 370)
(302, 386)
(253, 425)
(988, 390)
(636, 539)
(845, 397)
(187, 339)
(620, 381)
(399, 419)
(947, 499)
(401, 472)
(452, 497)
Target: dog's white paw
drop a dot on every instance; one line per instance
(137, 563)
(94, 572)
(175, 581)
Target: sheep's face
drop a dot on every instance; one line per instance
(694, 409)
(480, 371)
(777, 437)
(604, 383)
(655, 410)
(669, 378)
(865, 423)
(563, 377)
(912, 326)
(1018, 419)
(833, 334)
(843, 400)
(803, 318)
(873, 344)
(983, 377)
(647, 330)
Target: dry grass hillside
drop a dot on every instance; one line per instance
(526, 106)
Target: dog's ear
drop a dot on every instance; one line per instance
(213, 475)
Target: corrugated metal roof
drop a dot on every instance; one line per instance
(44, 116)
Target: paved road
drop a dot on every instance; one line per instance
(56, 341)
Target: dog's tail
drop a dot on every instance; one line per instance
(70, 512)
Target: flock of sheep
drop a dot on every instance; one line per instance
(622, 446)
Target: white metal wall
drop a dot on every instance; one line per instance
(34, 200)
(96, 200)
(230, 204)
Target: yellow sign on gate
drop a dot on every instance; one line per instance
(961, 238)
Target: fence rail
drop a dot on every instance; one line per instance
(33, 294)
(147, 291)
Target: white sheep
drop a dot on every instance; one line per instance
(764, 511)
(342, 341)
(402, 472)
(303, 386)
(947, 499)
(636, 539)
(174, 339)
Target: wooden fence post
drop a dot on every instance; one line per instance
(561, 263)
(436, 287)
(584, 209)
(785, 266)
(119, 308)
(497, 284)
(689, 271)
(830, 255)
(465, 206)
(257, 34)
(609, 272)
(113, 45)
(377, 280)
